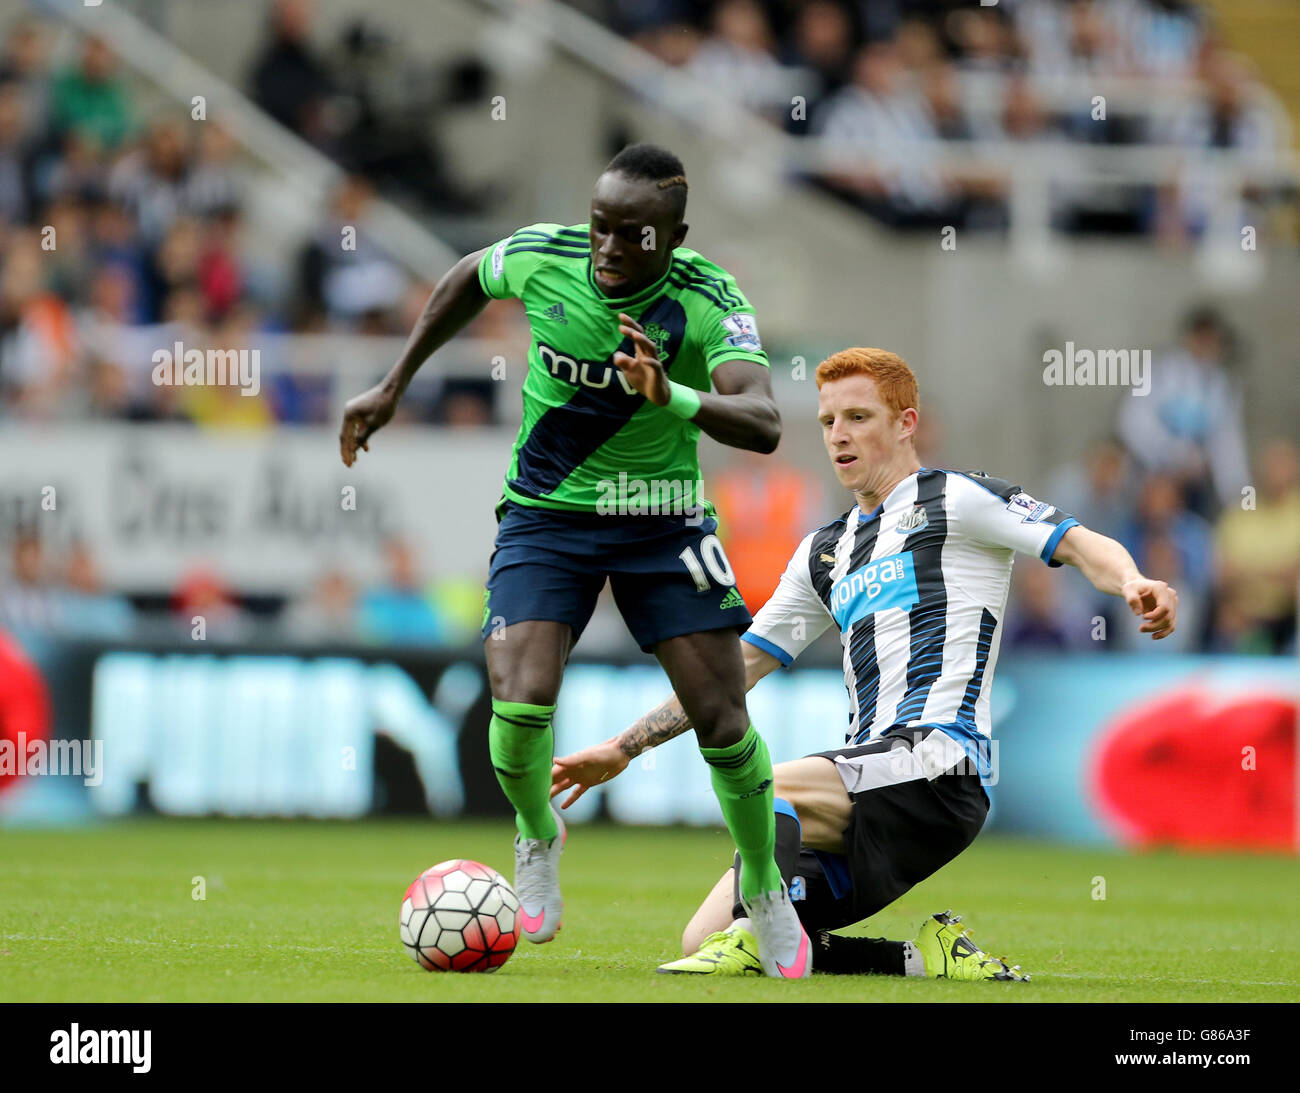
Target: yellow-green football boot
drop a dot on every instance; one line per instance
(733, 951)
(950, 953)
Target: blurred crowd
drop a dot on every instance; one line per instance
(59, 592)
(876, 74)
(1236, 572)
(122, 233)
(1175, 484)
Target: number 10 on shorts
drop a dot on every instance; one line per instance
(715, 561)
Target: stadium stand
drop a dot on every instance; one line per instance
(156, 244)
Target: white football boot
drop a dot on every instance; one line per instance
(783, 944)
(537, 884)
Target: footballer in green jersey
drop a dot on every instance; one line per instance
(638, 346)
(587, 432)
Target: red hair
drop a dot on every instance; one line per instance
(895, 382)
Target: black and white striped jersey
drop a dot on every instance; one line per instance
(918, 588)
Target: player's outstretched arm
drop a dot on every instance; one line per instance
(601, 762)
(1111, 569)
(739, 412)
(455, 300)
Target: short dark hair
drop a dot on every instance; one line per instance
(657, 165)
(1204, 317)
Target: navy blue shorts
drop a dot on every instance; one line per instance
(668, 577)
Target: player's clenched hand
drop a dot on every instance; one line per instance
(362, 417)
(584, 769)
(644, 371)
(1155, 602)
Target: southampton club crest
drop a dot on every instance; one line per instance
(659, 336)
(912, 520)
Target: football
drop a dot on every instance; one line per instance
(460, 916)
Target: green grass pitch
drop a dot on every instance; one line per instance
(299, 911)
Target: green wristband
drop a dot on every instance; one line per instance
(682, 400)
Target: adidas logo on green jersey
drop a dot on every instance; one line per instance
(733, 598)
(556, 312)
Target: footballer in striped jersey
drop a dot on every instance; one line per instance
(915, 577)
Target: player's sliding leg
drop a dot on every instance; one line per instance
(708, 675)
(717, 941)
(715, 914)
(822, 813)
(719, 937)
(904, 824)
(818, 822)
(940, 950)
(525, 664)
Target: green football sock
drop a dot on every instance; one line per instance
(742, 779)
(522, 745)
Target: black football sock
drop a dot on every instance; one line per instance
(789, 837)
(864, 956)
(858, 955)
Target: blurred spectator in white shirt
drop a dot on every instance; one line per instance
(986, 40)
(151, 181)
(1190, 423)
(878, 114)
(216, 184)
(28, 600)
(346, 284)
(1064, 41)
(942, 95)
(39, 350)
(26, 63)
(738, 59)
(1227, 114)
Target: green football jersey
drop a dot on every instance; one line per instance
(588, 440)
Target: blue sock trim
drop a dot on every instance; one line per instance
(781, 805)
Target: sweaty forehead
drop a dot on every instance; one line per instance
(636, 200)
